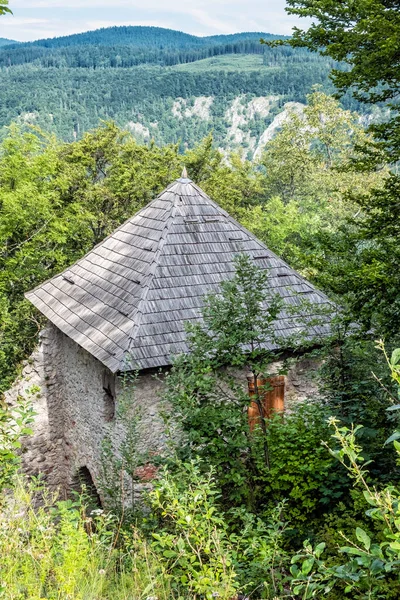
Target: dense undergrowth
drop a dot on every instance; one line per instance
(295, 509)
(186, 544)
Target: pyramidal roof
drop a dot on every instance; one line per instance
(127, 300)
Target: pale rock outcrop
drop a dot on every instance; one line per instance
(201, 108)
(288, 109)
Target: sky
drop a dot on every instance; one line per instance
(36, 19)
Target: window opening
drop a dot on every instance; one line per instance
(109, 396)
(271, 391)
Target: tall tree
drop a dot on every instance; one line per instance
(306, 188)
(365, 35)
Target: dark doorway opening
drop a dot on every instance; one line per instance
(83, 484)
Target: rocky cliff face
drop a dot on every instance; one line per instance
(244, 124)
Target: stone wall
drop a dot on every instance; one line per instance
(38, 453)
(79, 407)
(75, 407)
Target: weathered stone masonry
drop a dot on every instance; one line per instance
(78, 412)
(72, 417)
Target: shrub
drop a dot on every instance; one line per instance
(193, 538)
(14, 423)
(366, 567)
(302, 470)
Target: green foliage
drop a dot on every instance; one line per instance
(365, 35)
(368, 568)
(14, 423)
(209, 404)
(302, 470)
(120, 467)
(281, 460)
(57, 551)
(238, 321)
(193, 538)
(306, 190)
(4, 8)
(262, 563)
(56, 202)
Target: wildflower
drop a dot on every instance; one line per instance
(102, 572)
(97, 512)
(151, 598)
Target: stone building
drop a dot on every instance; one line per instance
(122, 307)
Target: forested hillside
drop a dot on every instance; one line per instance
(146, 37)
(161, 84)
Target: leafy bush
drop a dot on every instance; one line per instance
(283, 457)
(193, 538)
(208, 403)
(366, 567)
(205, 557)
(14, 423)
(302, 470)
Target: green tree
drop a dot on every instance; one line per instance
(209, 403)
(4, 9)
(207, 397)
(365, 35)
(57, 201)
(306, 189)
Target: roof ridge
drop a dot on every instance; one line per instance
(153, 268)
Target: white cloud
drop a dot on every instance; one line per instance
(210, 22)
(34, 19)
(21, 21)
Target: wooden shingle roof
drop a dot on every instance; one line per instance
(127, 300)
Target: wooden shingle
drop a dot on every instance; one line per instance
(126, 301)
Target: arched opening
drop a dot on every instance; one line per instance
(83, 484)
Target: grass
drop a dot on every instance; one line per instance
(229, 62)
(57, 552)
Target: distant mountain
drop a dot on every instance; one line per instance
(160, 84)
(143, 37)
(129, 47)
(6, 42)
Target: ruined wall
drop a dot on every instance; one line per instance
(38, 452)
(79, 407)
(75, 408)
